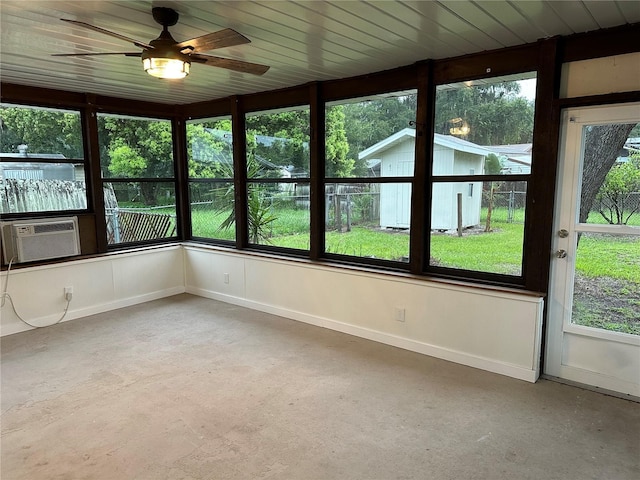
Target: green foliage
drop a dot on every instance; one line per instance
(136, 148)
(368, 122)
(492, 164)
(495, 114)
(125, 162)
(259, 215)
(291, 128)
(147, 139)
(210, 156)
(337, 147)
(44, 131)
(614, 195)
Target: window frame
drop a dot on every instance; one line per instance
(470, 179)
(177, 187)
(382, 84)
(70, 161)
(189, 180)
(522, 59)
(294, 252)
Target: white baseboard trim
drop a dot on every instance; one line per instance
(74, 314)
(490, 365)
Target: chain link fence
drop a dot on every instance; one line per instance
(506, 202)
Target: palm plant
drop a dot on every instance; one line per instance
(259, 216)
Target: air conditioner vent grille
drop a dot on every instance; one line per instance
(53, 227)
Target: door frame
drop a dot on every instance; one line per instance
(560, 298)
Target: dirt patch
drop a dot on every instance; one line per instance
(607, 303)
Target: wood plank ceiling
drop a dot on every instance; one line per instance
(302, 41)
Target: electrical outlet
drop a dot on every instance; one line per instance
(68, 293)
(226, 278)
(399, 314)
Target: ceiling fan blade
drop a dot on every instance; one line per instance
(223, 38)
(137, 43)
(126, 54)
(229, 64)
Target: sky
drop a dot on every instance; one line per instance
(528, 88)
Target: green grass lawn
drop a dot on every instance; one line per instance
(498, 252)
(602, 255)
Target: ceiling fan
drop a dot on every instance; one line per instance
(165, 57)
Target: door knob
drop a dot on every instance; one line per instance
(561, 253)
(563, 233)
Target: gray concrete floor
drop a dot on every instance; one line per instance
(190, 388)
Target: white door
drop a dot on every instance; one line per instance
(593, 334)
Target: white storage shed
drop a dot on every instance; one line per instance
(452, 156)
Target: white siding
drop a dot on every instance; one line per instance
(442, 160)
(395, 199)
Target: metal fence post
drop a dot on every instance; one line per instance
(512, 198)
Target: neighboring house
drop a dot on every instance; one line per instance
(515, 159)
(23, 169)
(631, 147)
(452, 156)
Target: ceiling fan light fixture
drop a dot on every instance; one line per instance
(166, 66)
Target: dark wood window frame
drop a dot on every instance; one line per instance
(72, 161)
(175, 138)
(545, 57)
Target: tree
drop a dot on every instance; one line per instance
(614, 196)
(44, 131)
(209, 149)
(495, 114)
(370, 121)
(288, 138)
(125, 161)
(148, 143)
(602, 147)
(336, 146)
(492, 166)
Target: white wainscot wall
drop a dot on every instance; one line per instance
(494, 330)
(99, 284)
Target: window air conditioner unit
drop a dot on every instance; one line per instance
(41, 239)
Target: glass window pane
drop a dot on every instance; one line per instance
(278, 144)
(42, 187)
(210, 148)
(369, 220)
(607, 282)
(135, 147)
(491, 215)
(371, 137)
(610, 190)
(32, 133)
(212, 210)
(278, 214)
(485, 127)
(130, 218)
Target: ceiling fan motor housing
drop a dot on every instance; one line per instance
(166, 17)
